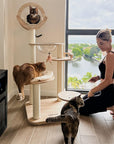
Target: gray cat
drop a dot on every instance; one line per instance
(69, 118)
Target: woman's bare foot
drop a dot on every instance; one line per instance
(111, 111)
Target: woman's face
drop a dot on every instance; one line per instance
(104, 45)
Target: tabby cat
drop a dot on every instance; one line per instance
(33, 17)
(25, 73)
(69, 119)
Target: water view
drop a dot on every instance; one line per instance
(81, 67)
(80, 71)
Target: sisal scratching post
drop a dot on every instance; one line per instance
(36, 101)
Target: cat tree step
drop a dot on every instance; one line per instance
(67, 95)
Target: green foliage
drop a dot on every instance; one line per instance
(77, 52)
(86, 77)
(75, 82)
(88, 50)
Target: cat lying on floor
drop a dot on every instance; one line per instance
(69, 118)
(25, 73)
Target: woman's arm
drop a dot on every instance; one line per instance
(108, 75)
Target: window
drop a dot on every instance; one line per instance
(83, 20)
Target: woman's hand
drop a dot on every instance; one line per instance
(94, 79)
(90, 94)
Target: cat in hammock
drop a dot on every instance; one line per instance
(69, 119)
(33, 17)
(25, 73)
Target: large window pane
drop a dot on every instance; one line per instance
(95, 14)
(87, 56)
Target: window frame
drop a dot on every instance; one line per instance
(69, 32)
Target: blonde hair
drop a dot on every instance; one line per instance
(104, 34)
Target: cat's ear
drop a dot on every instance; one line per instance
(79, 96)
(30, 7)
(36, 9)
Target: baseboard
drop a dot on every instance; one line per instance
(27, 92)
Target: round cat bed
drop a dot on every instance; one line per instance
(46, 76)
(26, 25)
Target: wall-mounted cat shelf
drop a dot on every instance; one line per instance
(24, 23)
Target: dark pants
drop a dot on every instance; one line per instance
(99, 102)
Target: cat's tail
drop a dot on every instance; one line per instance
(58, 119)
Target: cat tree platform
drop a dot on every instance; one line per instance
(62, 59)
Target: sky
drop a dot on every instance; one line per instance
(91, 14)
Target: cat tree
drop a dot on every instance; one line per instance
(38, 110)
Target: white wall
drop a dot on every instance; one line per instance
(6, 42)
(9, 45)
(53, 32)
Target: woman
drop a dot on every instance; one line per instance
(101, 97)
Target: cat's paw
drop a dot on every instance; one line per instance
(20, 97)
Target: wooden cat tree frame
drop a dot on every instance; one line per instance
(38, 110)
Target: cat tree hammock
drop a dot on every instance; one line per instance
(38, 110)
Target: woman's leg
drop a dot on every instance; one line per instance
(92, 105)
(99, 102)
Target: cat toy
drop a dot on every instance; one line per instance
(47, 49)
(49, 58)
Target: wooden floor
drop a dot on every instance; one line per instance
(96, 129)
